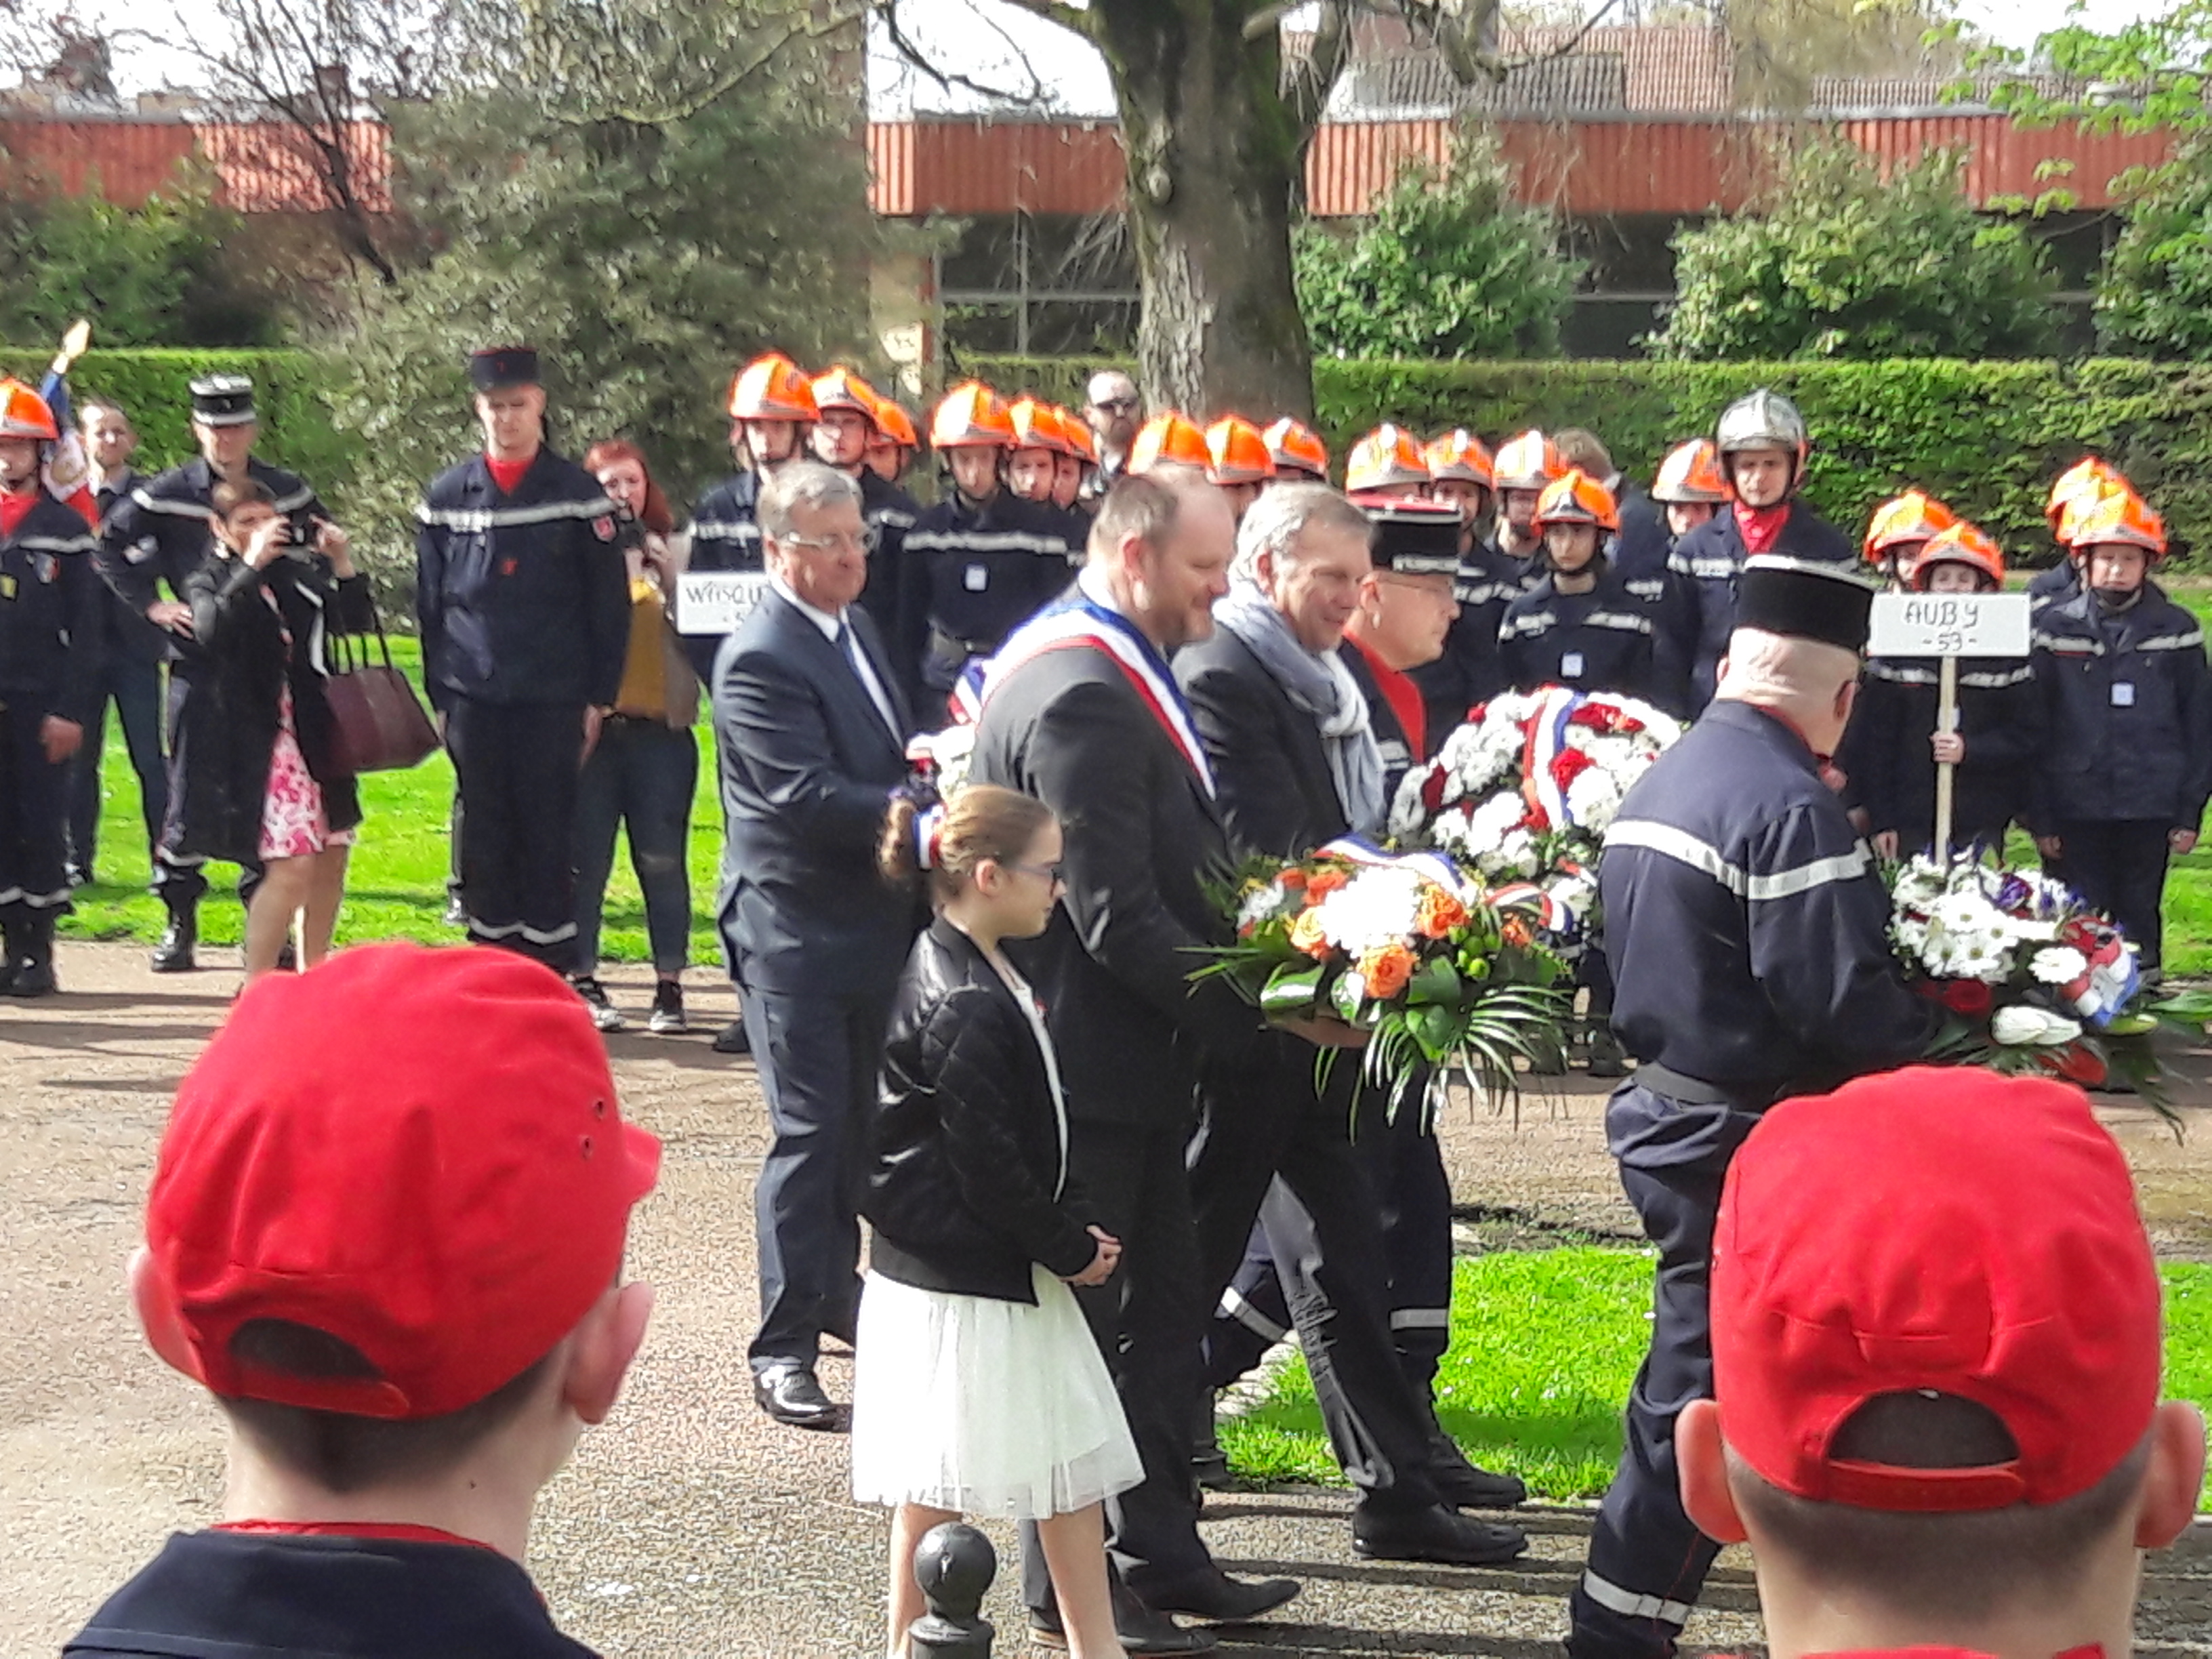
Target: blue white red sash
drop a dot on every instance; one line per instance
(1432, 868)
(1100, 630)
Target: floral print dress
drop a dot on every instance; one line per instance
(293, 824)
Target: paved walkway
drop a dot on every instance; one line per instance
(690, 1525)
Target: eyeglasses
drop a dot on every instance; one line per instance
(1118, 405)
(1055, 873)
(842, 541)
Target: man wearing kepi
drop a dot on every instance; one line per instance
(162, 533)
(1746, 929)
(523, 601)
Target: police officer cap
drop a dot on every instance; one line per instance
(1416, 538)
(493, 368)
(222, 400)
(1804, 599)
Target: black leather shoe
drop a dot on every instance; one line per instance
(32, 979)
(732, 1039)
(1216, 1597)
(1434, 1534)
(1464, 1485)
(1142, 1633)
(174, 955)
(790, 1394)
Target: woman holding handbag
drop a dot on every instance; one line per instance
(644, 770)
(264, 781)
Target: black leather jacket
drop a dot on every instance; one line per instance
(965, 1155)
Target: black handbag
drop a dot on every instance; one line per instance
(378, 723)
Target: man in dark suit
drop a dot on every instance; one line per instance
(811, 728)
(1081, 710)
(1286, 729)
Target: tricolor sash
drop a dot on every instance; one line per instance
(1086, 625)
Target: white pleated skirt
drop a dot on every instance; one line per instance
(996, 1409)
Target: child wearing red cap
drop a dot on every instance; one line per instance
(978, 1387)
(1935, 1415)
(387, 1232)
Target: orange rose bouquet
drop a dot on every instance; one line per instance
(1412, 948)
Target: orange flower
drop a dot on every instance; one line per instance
(1322, 882)
(1386, 970)
(1439, 914)
(1516, 932)
(1291, 879)
(1306, 936)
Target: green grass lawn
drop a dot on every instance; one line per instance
(1545, 1402)
(396, 887)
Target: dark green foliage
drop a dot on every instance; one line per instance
(1987, 437)
(1450, 266)
(1848, 263)
(172, 272)
(2155, 293)
(292, 390)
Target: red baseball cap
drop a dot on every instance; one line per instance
(416, 1151)
(1944, 1229)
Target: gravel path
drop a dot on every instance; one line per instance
(691, 1525)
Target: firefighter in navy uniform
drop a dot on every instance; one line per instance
(51, 622)
(1524, 468)
(845, 425)
(1896, 532)
(982, 561)
(1239, 464)
(523, 602)
(1688, 492)
(1999, 730)
(1763, 447)
(1469, 671)
(159, 534)
(2076, 488)
(1579, 626)
(1747, 928)
(1405, 610)
(1299, 455)
(2126, 700)
(771, 408)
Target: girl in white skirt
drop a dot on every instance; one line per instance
(978, 1389)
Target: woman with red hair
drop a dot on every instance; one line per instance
(645, 768)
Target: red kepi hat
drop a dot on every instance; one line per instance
(1939, 1229)
(417, 1151)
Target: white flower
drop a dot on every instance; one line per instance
(2022, 1026)
(2058, 964)
(1593, 798)
(1262, 904)
(1377, 905)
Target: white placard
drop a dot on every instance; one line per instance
(713, 602)
(1950, 625)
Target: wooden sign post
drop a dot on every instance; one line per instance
(1949, 626)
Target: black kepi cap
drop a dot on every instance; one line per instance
(222, 400)
(1416, 538)
(491, 368)
(1804, 599)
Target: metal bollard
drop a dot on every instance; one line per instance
(954, 1564)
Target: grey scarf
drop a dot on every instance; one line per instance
(1320, 685)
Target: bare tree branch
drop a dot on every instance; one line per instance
(1073, 19)
(918, 56)
(1311, 79)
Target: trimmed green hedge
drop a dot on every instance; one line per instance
(1986, 437)
(292, 390)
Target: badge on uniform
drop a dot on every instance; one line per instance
(7, 587)
(508, 566)
(976, 578)
(1570, 666)
(46, 565)
(140, 550)
(2124, 694)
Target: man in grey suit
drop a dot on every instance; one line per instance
(811, 730)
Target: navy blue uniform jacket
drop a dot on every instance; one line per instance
(1705, 564)
(524, 598)
(1745, 922)
(51, 642)
(2126, 711)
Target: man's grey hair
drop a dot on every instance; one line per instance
(1107, 382)
(92, 407)
(1276, 522)
(1778, 671)
(800, 483)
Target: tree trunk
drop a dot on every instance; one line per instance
(1213, 158)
